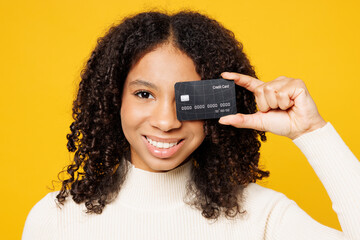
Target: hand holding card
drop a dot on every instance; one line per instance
(285, 107)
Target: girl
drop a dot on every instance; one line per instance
(140, 173)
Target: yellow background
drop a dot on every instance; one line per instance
(44, 45)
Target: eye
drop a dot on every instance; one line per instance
(144, 94)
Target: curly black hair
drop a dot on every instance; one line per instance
(219, 174)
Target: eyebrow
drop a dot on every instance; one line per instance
(143, 83)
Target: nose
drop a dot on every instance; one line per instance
(164, 117)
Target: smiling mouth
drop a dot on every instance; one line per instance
(163, 148)
(163, 145)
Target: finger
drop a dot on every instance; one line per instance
(292, 90)
(245, 81)
(284, 100)
(260, 100)
(267, 93)
(281, 78)
(270, 96)
(252, 121)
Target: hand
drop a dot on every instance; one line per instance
(285, 107)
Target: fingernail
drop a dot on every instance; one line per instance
(223, 121)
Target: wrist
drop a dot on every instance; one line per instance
(319, 124)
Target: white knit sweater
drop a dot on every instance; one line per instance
(150, 205)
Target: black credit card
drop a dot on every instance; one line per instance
(205, 99)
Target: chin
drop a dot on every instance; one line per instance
(164, 165)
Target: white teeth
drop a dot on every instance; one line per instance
(161, 144)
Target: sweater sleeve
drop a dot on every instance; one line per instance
(339, 171)
(41, 221)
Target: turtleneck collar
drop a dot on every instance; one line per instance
(146, 190)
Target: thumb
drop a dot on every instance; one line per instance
(239, 120)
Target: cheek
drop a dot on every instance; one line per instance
(132, 115)
(198, 130)
(124, 122)
(128, 117)
(124, 114)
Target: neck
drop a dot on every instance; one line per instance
(154, 190)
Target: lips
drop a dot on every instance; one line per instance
(162, 148)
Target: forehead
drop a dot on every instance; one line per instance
(165, 64)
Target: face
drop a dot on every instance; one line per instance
(158, 140)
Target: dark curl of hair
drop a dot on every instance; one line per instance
(219, 174)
